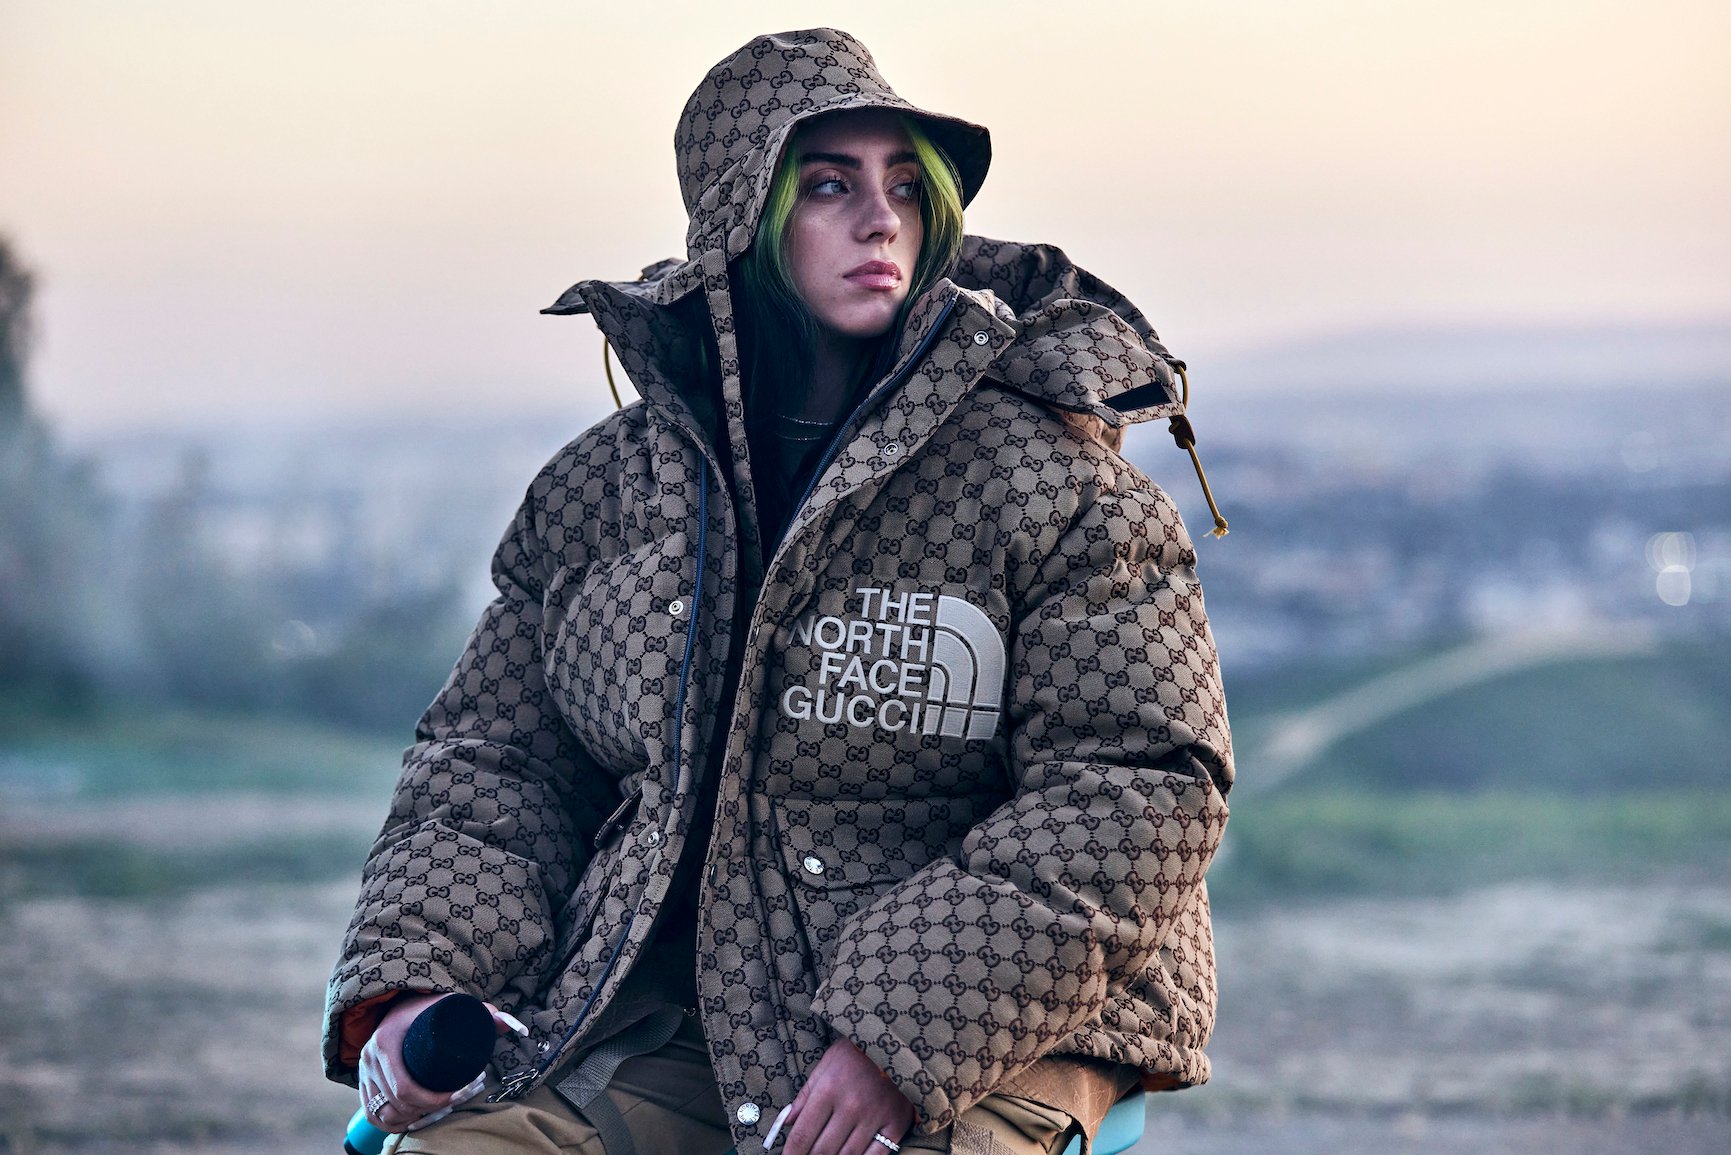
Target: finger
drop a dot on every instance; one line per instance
(419, 1100)
(407, 1093)
(368, 1068)
(476, 1085)
(394, 1119)
(507, 1022)
(833, 1139)
(370, 1089)
(429, 1118)
(899, 1126)
(379, 1113)
(808, 1122)
(782, 1119)
(849, 1143)
(862, 1141)
(869, 1145)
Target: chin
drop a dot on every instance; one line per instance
(868, 324)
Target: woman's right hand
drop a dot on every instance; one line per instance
(846, 1102)
(382, 1071)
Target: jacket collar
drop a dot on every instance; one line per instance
(1074, 342)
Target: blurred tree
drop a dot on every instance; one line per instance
(16, 287)
(143, 600)
(205, 630)
(49, 513)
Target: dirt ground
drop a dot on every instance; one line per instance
(1532, 1018)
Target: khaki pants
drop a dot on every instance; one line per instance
(671, 1106)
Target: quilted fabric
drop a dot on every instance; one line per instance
(975, 766)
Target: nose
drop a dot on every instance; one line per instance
(877, 219)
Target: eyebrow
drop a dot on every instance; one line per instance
(854, 162)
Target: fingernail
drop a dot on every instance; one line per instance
(513, 1022)
(428, 1120)
(775, 1127)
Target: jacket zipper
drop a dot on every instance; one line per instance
(519, 1084)
(616, 821)
(844, 432)
(847, 427)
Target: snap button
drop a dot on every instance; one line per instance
(981, 337)
(676, 607)
(813, 864)
(748, 1113)
(654, 837)
(892, 449)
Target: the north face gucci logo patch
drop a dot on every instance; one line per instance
(916, 661)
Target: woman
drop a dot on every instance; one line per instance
(840, 761)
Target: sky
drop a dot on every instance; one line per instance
(295, 212)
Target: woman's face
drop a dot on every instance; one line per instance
(855, 232)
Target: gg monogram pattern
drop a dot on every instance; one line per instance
(968, 785)
(734, 125)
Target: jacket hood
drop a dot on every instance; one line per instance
(1079, 344)
(736, 123)
(1075, 342)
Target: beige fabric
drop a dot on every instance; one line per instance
(1000, 1124)
(670, 1105)
(667, 1098)
(1084, 1089)
(985, 843)
(542, 1124)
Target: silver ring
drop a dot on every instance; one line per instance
(376, 1102)
(879, 1138)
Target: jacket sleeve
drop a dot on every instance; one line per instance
(460, 890)
(1119, 759)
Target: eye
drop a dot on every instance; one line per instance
(829, 186)
(907, 190)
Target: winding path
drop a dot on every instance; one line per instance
(1294, 740)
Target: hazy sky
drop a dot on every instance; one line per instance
(287, 210)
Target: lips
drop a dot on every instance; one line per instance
(881, 275)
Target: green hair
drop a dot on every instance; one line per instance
(778, 332)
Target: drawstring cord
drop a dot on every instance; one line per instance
(607, 367)
(1185, 436)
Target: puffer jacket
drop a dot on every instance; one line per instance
(973, 765)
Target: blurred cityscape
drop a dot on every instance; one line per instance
(1376, 522)
(1361, 523)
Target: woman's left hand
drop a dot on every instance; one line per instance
(843, 1105)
